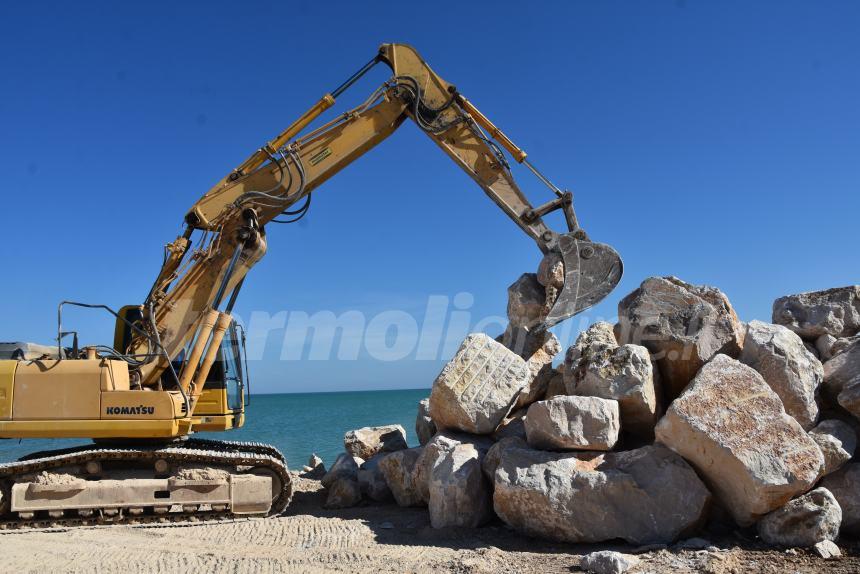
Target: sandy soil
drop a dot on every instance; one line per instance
(378, 539)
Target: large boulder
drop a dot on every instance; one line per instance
(833, 312)
(844, 484)
(573, 423)
(837, 441)
(682, 325)
(442, 443)
(478, 387)
(459, 494)
(541, 370)
(343, 493)
(788, 368)
(526, 301)
(345, 466)
(372, 482)
(555, 386)
(491, 460)
(425, 428)
(513, 425)
(598, 335)
(623, 373)
(804, 521)
(369, 441)
(398, 470)
(841, 370)
(644, 496)
(732, 427)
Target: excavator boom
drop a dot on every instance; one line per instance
(175, 367)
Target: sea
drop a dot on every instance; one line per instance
(299, 424)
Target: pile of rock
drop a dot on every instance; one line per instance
(678, 416)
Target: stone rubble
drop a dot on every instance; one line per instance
(732, 427)
(837, 441)
(367, 442)
(804, 521)
(787, 367)
(573, 423)
(676, 422)
(683, 326)
(425, 428)
(478, 387)
(607, 562)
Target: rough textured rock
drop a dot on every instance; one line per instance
(343, 493)
(849, 397)
(478, 387)
(369, 441)
(425, 428)
(551, 271)
(732, 427)
(844, 484)
(540, 369)
(372, 482)
(315, 468)
(513, 425)
(682, 325)
(841, 370)
(491, 461)
(435, 449)
(788, 368)
(842, 344)
(644, 496)
(607, 562)
(398, 469)
(598, 335)
(526, 301)
(459, 494)
(824, 346)
(556, 386)
(832, 312)
(345, 466)
(837, 441)
(625, 374)
(573, 423)
(804, 521)
(827, 549)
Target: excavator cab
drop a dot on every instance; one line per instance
(221, 406)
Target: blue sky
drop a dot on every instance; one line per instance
(715, 141)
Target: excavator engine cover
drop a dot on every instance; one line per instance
(591, 272)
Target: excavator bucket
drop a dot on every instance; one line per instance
(591, 272)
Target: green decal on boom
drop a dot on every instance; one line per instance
(320, 156)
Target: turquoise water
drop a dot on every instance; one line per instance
(298, 423)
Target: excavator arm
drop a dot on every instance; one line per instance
(182, 311)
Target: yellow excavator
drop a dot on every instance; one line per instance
(176, 362)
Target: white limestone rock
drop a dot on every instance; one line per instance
(478, 387)
(779, 355)
(837, 441)
(398, 470)
(682, 325)
(732, 427)
(573, 423)
(369, 441)
(459, 494)
(644, 496)
(425, 428)
(833, 312)
(804, 521)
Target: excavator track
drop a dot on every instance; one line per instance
(234, 457)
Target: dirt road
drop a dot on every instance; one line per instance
(378, 539)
